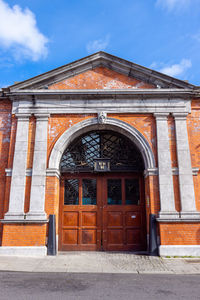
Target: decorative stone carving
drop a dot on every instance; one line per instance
(102, 116)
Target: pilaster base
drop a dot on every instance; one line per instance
(168, 215)
(23, 251)
(179, 250)
(190, 215)
(36, 215)
(14, 216)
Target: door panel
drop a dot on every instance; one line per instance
(102, 212)
(123, 227)
(80, 221)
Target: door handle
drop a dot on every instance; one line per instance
(133, 217)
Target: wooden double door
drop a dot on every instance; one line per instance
(102, 212)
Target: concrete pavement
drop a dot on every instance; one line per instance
(101, 262)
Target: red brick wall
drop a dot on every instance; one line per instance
(5, 130)
(24, 235)
(100, 78)
(179, 234)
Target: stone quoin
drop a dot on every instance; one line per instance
(101, 143)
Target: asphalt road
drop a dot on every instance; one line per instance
(21, 285)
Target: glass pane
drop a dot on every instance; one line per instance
(71, 192)
(132, 191)
(80, 154)
(89, 196)
(114, 192)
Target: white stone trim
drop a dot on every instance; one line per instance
(179, 250)
(53, 173)
(92, 124)
(175, 171)
(166, 189)
(112, 102)
(23, 251)
(179, 219)
(8, 172)
(195, 171)
(18, 180)
(28, 172)
(151, 172)
(38, 182)
(186, 184)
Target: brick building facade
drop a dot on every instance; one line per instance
(102, 143)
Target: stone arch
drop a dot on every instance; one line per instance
(109, 124)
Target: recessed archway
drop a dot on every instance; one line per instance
(88, 235)
(109, 124)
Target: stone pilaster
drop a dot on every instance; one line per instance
(166, 189)
(186, 184)
(37, 198)
(18, 181)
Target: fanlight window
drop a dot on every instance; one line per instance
(122, 153)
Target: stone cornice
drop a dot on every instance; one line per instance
(166, 93)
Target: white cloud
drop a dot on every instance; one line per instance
(19, 32)
(173, 4)
(177, 69)
(98, 45)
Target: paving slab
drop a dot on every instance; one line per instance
(101, 262)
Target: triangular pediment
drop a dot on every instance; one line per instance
(101, 71)
(100, 78)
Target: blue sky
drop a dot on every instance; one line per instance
(38, 35)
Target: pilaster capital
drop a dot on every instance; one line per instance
(180, 116)
(161, 116)
(23, 116)
(53, 172)
(42, 117)
(151, 172)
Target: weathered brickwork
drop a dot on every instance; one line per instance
(179, 234)
(59, 123)
(193, 125)
(52, 197)
(100, 78)
(31, 142)
(9, 162)
(144, 124)
(24, 235)
(5, 130)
